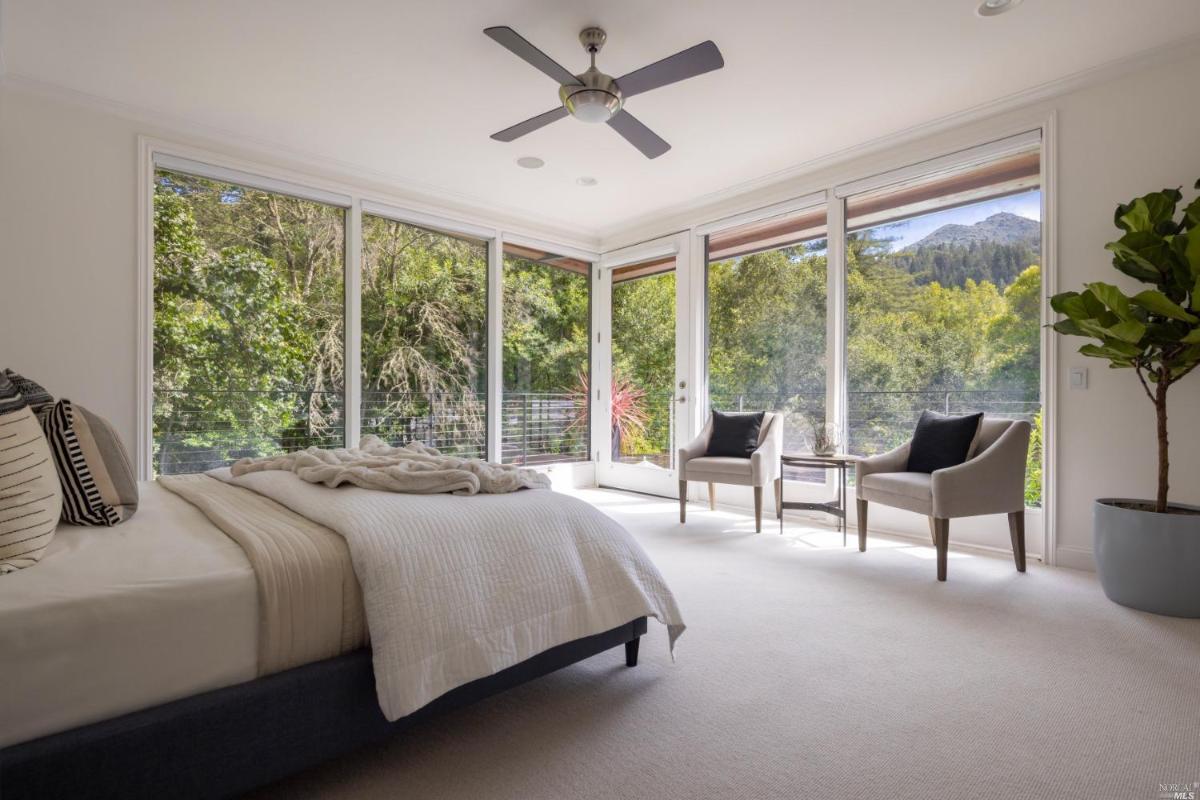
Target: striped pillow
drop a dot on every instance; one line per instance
(98, 487)
(30, 497)
(36, 397)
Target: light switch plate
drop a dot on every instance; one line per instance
(1078, 377)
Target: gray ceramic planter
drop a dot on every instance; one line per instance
(1149, 561)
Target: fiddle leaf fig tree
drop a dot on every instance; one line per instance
(1154, 332)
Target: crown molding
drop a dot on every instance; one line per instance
(168, 126)
(1023, 99)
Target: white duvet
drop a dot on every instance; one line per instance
(456, 588)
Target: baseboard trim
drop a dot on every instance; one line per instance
(1074, 557)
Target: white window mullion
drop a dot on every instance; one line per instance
(352, 360)
(836, 405)
(495, 346)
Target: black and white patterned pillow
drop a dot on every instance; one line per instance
(30, 493)
(98, 484)
(35, 396)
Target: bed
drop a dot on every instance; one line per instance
(162, 658)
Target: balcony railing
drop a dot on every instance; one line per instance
(199, 430)
(542, 428)
(453, 422)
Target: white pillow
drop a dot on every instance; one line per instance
(30, 494)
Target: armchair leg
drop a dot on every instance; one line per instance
(933, 531)
(1016, 531)
(682, 502)
(712, 496)
(862, 525)
(758, 493)
(941, 535)
(779, 498)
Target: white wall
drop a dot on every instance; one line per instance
(68, 265)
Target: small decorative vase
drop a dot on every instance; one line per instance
(824, 440)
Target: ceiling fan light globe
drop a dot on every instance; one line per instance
(593, 105)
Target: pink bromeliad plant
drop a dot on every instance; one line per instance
(628, 417)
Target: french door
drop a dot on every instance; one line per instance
(643, 400)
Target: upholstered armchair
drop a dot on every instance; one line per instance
(760, 469)
(991, 481)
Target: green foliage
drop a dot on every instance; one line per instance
(1155, 332)
(546, 324)
(1033, 467)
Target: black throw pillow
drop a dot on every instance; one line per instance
(734, 434)
(942, 440)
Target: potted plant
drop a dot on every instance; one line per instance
(1147, 551)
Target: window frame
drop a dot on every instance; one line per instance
(154, 153)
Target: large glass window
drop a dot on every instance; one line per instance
(643, 363)
(767, 320)
(943, 302)
(248, 323)
(424, 337)
(546, 357)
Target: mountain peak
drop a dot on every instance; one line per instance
(1002, 228)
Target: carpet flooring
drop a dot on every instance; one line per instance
(813, 671)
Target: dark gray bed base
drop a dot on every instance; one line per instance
(231, 740)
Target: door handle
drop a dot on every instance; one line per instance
(681, 399)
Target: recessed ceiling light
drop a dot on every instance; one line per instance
(530, 162)
(586, 180)
(990, 8)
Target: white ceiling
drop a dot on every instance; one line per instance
(413, 89)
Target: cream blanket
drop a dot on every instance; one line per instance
(309, 603)
(412, 469)
(458, 588)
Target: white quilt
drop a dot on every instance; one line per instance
(413, 469)
(460, 587)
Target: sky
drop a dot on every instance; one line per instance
(1026, 204)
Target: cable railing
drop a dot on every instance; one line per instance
(200, 429)
(654, 444)
(197, 430)
(453, 422)
(543, 428)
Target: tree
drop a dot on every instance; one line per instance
(1155, 332)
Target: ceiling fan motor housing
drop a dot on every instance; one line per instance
(596, 98)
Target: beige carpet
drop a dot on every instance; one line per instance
(809, 670)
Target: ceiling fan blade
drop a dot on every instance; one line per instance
(513, 41)
(704, 57)
(530, 125)
(638, 135)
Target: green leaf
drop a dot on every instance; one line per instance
(1191, 214)
(1140, 254)
(1192, 338)
(1130, 331)
(1068, 303)
(1112, 297)
(1098, 351)
(1159, 303)
(1068, 327)
(1147, 211)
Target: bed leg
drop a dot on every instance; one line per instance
(631, 652)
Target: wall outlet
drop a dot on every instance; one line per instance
(1078, 377)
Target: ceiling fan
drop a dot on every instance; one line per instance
(594, 97)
